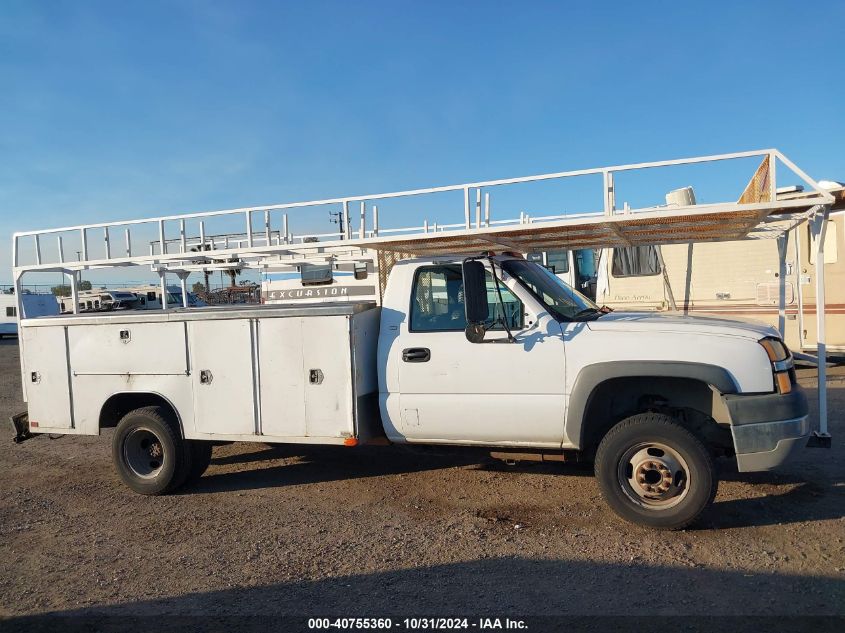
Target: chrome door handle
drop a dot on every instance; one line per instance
(416, 355)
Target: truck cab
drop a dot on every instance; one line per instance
(653, 398)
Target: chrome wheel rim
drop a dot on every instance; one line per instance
(143, 453)
(653, 475)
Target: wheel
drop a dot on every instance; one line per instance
(654, 472)
(200, 458)
(149, 453)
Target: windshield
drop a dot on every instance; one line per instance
(562, 301)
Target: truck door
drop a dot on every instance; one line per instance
(454, 391)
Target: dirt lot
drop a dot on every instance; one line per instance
(376, 532)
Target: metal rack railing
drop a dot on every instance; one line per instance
(275, 237)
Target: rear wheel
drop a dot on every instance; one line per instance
(654, 472)
(148, 451)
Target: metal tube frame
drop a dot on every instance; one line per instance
(820, 197)
(783, 244)
(818, 227)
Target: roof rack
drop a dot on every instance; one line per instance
(759, 213)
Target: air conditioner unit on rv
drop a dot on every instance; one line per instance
(683, 197)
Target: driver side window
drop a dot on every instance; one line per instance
(437, 303)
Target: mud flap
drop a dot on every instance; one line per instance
(818, 440)
(20, 424)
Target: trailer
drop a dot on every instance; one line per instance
(471, 345)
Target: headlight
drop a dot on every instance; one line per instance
(781, 363)
(775, 349)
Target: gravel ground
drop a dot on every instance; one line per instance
(384, 531)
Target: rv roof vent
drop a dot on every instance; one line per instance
(683, 197)
(830, 184)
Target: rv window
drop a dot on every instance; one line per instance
(558, 261)
(635, 261)
(438, 301)
(11, 311)
(830, 254)
(585, 262)
(315, 274)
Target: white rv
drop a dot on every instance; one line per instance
(34, 305)
(333, 278)
(739, 280)
(147, 297)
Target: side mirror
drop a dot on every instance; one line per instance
(475, 299)
(475, 332)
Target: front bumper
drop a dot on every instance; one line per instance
(768, 429)
(767, 445)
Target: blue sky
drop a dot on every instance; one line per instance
(115, 110)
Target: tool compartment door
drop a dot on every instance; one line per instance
(128, 348)
(282, 377)
(327, 359)
(222, 376)
(46, 378)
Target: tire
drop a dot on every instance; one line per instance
(654, 472)
(148, 451)
(200, 458)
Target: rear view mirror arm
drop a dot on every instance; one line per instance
(503, 319)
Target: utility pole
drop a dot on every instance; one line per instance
(336, 217)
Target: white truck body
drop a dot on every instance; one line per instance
(335, 373)
(231, 374)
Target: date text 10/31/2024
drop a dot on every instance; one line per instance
(416, 623)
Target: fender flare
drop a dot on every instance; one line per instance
(592, 376)
(141, 393)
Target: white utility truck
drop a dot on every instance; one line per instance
(472, 349)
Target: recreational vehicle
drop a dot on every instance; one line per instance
(738, 280)
(343, 278)
(34, 305)
(147, 297)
